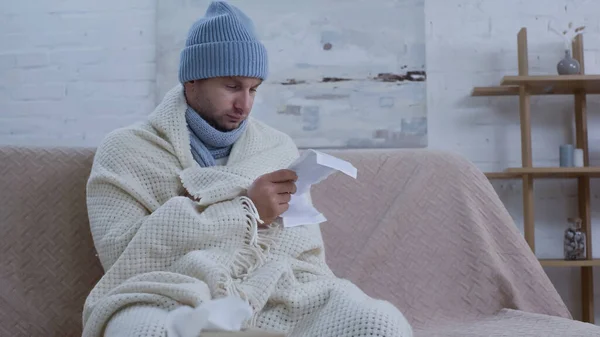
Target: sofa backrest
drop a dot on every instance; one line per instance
(48, 263)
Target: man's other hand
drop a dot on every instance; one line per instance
(271, 193)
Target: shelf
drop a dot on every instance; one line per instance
(546, 172)
(512, 90)
(569, 263)
(509, 90)
(503, 175)
(556, 84)
(542, 85)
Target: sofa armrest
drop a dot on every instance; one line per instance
(426, 230)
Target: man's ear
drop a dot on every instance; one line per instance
(188, 86)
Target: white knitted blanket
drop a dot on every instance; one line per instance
(162, 250)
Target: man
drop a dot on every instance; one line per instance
(183, 208)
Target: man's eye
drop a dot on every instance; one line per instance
(231, 86)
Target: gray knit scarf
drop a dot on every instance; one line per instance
(207, 142)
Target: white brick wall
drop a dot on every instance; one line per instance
(71, 71)
(472, 43)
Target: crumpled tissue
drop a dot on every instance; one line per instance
(223, 314)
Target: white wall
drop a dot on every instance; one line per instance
(70, 71)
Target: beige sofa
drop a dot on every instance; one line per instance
(422, 229)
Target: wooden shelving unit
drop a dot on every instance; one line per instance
(524, 86)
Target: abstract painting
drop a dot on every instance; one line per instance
(343, 74)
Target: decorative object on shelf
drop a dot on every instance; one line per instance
(578, 158)
(568, 65)
(566, 155)
(574, 241)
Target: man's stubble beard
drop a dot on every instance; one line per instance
(211, 121)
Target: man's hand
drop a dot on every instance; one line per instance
(272, 192)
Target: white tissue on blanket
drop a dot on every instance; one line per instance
(312, 168)
(224, 314)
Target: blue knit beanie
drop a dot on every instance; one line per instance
(222, 43)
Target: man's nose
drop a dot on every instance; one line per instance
(244, 102)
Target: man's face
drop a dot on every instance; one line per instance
(224, 102)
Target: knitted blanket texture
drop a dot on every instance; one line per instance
(162, 250)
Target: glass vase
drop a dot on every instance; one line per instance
(574, 241)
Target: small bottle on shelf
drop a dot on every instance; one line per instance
(574, 241)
